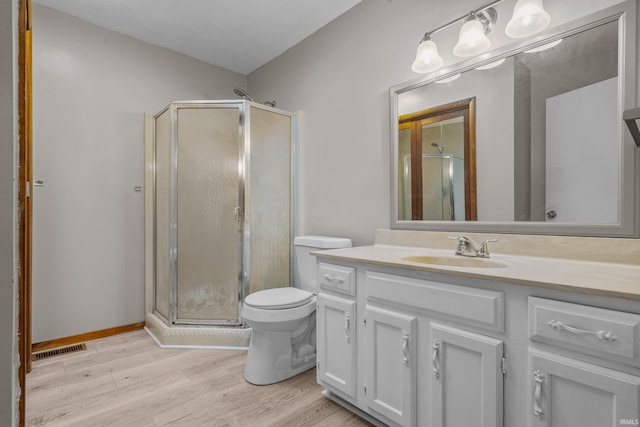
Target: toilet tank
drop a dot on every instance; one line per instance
(306, 263)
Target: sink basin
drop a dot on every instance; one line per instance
(455, 261)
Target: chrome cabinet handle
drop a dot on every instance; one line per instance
(405, 347)
(347, 327)
(538, 378)
(602, 335)
(334, 279)
(435, 359)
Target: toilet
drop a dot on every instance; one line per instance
(283, 320)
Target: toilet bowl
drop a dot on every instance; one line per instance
(283, 320)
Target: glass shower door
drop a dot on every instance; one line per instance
(208, 222)
(197, 157)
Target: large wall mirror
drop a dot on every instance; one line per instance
(529, 139)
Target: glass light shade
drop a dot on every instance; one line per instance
(427, 58)
(472, 39)
(529, 17)
(544, 47)
(491, 65)
(449, 79)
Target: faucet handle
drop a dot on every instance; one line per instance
(464, 244)
(484, 247)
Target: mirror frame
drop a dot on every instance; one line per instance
(625, 14)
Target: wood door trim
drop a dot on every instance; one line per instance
(87, 336)
(24, 199)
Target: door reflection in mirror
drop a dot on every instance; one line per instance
(436, 163)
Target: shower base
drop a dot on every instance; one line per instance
(215, 337)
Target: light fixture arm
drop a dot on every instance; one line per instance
(487, 18)
(478, 13)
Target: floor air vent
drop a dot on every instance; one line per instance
(58, 351)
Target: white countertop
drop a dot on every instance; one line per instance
(609, 279)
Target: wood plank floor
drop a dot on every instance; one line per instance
(127, 380)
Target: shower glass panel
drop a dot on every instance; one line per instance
(222, 208)
(208, 146)
(268, 205)
(404, 170)
(442, 183)
(436, 188)
(162, 162)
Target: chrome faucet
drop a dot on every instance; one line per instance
(466, 247)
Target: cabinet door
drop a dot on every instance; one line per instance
(391, 364)
(566, 392)
(467, 382)
(336, 343)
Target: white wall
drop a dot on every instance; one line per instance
(340, 77)
(91, 87)
(8, 143)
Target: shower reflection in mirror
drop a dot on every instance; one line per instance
(436, 163)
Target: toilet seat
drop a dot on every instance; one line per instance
(278, 298)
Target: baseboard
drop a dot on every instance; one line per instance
(88, 336)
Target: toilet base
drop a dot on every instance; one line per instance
(275, 356)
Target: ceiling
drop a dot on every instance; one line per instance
(240, 35)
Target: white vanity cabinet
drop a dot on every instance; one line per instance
(336, 343)
(569, 392)
(336, 331)
(407, 347)
(566, 392)
(381, 363)
(467, 383)
(390, 364)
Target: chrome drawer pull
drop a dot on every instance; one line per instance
(347, 327)
(335, 279)
(538, 378)
(405, 347)
(435, 359)
(603, 335)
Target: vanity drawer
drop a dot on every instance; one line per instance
(601, 332)
(337, 278)
(479, 307)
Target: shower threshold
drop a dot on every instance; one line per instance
(206, 337)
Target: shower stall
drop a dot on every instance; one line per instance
(219, 216)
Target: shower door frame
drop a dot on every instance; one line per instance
(173, 215)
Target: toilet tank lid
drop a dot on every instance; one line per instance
(322, 242)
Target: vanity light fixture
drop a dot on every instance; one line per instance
(473, 34)
(529, 17)
(427, 56)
